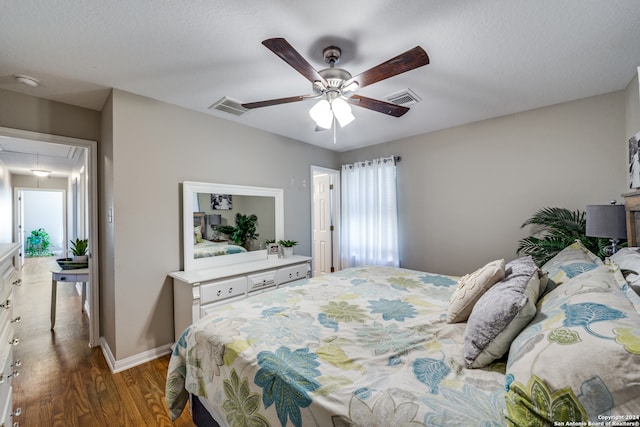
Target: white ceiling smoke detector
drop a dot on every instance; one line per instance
(27, 80)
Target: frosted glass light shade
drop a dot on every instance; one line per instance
(342, 111)
(40, 172)
(321, 114)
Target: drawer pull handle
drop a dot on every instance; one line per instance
(230, 290)
(13, 374)
(6, 304)
(16, 363)
(17, 320)
(17, 412)
(14, 341)
(219, 292)
(17, 282)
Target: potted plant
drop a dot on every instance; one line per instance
(244, 233)
(79, 249)
(553, 230)
(287, 247)
(38, 243)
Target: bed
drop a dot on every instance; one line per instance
(509, 343)
(208, 248)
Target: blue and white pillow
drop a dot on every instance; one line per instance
(570, 262)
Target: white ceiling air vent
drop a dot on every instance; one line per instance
(404, 98)
(228, 105)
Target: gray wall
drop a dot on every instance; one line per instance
(154, 147)
(25, 112)
(632, 107)
(464, 192)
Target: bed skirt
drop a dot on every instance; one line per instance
(201, 417)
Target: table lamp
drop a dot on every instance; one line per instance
(607, 221)
(214, 220)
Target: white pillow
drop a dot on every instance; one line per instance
(470, 289)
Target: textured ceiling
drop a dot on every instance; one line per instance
(488, 58)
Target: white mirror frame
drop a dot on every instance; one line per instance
(189, 188)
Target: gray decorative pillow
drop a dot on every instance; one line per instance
(501, 313)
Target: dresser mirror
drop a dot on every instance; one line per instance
(213, 212)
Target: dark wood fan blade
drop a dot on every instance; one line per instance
(404, 62)
(288, 54)
(377, 105)
(270, 102)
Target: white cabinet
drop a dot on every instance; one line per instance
(9, 278)
(200, 292)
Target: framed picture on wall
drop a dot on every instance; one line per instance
(221, 202)
(634, 161)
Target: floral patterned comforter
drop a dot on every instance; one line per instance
(366, 346)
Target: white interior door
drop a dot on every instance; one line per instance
(324, 221)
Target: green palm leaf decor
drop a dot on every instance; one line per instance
(553, 230)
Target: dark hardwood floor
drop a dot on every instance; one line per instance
(63, 382)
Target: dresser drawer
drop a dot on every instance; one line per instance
(70, 277)
(223, 289)
(8, 373)
(262, 280)
(295, 272)
(8, 278)
(213, 307)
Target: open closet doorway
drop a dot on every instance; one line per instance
(81, 205)
(325, 220)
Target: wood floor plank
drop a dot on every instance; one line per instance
(65, 383)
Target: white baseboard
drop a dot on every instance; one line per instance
(129, 362)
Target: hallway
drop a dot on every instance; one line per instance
(62, 381)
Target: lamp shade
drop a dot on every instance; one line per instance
(607, 221)
(214, 219)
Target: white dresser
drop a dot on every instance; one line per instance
(9, 278)
(200, 292)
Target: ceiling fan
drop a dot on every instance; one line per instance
(335, 86)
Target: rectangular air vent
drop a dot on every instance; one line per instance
(404, 98)
(228, 105)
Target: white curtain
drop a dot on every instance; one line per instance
(369, 214)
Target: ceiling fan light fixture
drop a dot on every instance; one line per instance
(342, 111)
(321, 114)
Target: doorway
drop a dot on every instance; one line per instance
(325, 220)
(41, 221)
(86, 196)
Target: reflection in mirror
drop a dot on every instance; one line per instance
(239, 226)
(234, 221)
